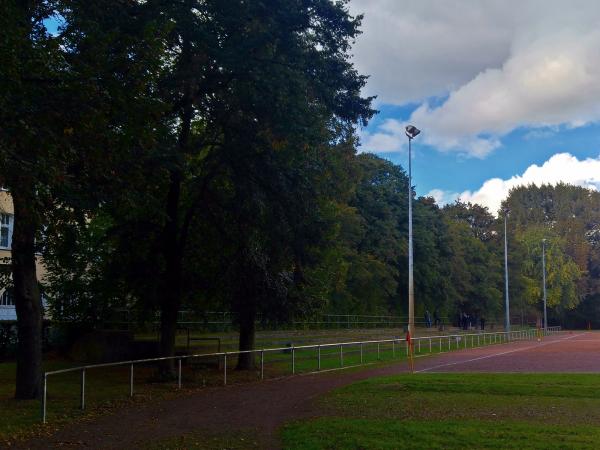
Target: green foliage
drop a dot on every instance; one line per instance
(568, 217)
(473, 265)
(562, 273)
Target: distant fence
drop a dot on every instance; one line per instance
(223, 321)
(398, 344)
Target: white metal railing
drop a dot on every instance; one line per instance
(431, 343)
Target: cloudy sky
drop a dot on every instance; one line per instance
(506, 93)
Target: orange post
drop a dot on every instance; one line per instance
(411, 361)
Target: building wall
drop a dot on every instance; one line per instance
(8, 313)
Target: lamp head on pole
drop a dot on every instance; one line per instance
(506, 212)
(412, 131)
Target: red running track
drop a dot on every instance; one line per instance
(564, 352)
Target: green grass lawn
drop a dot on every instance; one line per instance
(450, 411)
(104, 390)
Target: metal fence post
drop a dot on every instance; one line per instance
(361, 352)
(318, 357)
(293, 360)
(449, 343)
(225, 368)
(419, 341)
(262, 364)
(378, 351)
(429, 345)
(179, 373)
(82, 398)
(393, 349)
(44, 398)
(131, 380)
(341, 355)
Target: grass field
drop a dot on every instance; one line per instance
(107, 390)
(428, 411)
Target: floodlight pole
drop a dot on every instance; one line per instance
(544, 278)
(411, 133)
(411, 291)
(506, 300)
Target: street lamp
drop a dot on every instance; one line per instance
(506, 212)
(544, 278)
(411, 133)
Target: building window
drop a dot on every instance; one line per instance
(6, 227)
(7, 299)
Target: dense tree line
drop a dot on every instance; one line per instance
(202, 155)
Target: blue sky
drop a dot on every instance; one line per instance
(503, 96)
(449, 171)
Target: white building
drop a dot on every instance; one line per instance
(7, 304)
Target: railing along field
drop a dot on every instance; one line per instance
(427, 344)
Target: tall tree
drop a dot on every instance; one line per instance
(68, 107)
(31, 138)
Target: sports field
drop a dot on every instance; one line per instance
(463, 399)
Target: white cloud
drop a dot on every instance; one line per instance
(389, 137)
(442, 197)
(536, 65)
(417, 49)
(562, 167)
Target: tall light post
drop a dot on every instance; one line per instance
(544, 283)
(411, 133)
(506, 300)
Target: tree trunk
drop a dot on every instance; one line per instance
(171, 285)
(27, 297)
(247, 335)
(173, 246)
(168, 331)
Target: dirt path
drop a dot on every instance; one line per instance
(267, 405)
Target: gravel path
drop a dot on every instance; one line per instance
(265, 406)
